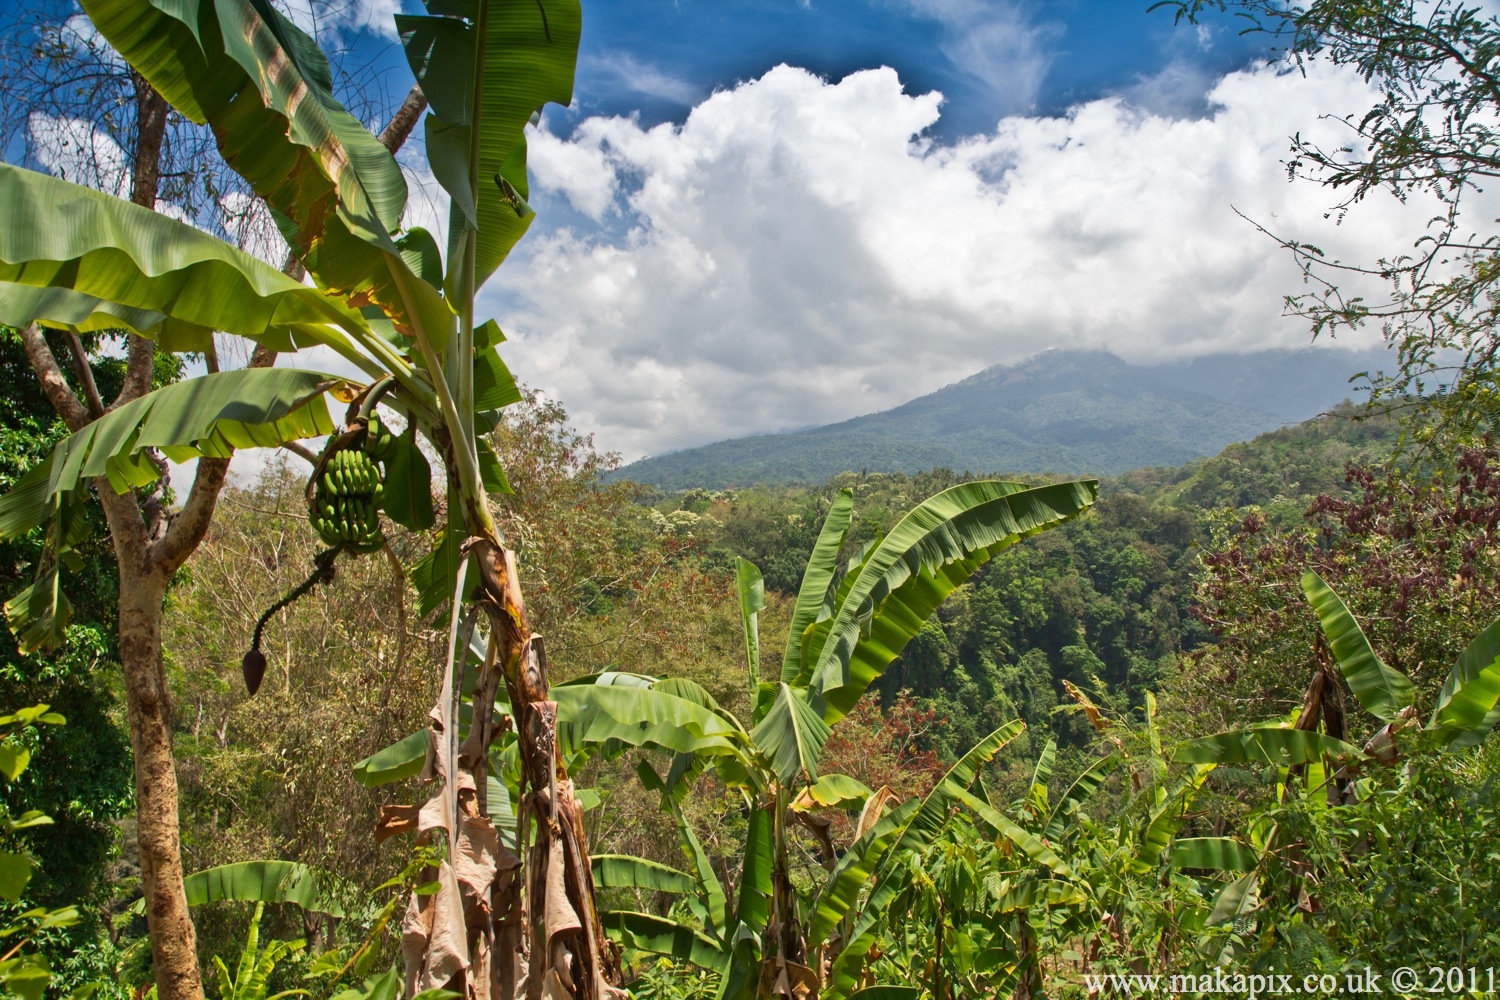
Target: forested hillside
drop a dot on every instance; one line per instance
(1079, 412)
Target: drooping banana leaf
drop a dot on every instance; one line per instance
(1382, 691)
(266, 90)
(791, 736)
(71, 252)
(1167, 817)
(834, 791)
(1085, 785)
(210, 415)
(934, 549)
(1466, 709)
(664, 937)
(822, 565)
(619, 870)
(751, 587)
(266, 882)
(1221, 853)
(1051, 892)
(641, 717)
(1282, 747)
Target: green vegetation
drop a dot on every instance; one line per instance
(916, 735)
(1073, 412)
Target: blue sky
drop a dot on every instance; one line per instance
(657, 58)
(760, 215)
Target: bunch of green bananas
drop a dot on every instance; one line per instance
(346, 503)
(378, 439)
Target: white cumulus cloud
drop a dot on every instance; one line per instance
(796, 252)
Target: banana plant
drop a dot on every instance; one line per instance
(1464, 713)
(256, 964)
(389, 302)
(848, 623)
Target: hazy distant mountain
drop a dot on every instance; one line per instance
(1060, 411)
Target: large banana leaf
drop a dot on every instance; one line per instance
(842, 888)
(266, 882)
(266, 89)
(812, 596)
(920, 830)
(1466, 708)
(210, 415)
(642, 717)
(1221, 853)
(934, 549)
(124, 265)
(1167, 817)
(402, 759)
(752, 591)
(620, 870)
(530, 53)
(753, 904)
(791, 736)
(664, 937)
(1083, 786)
(1282, 747)
(1381, 690)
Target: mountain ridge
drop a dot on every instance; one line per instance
(1061, 411)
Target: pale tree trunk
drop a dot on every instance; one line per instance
(150, 546)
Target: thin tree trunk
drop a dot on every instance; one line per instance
(173, 940)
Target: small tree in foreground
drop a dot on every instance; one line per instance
(394, 307)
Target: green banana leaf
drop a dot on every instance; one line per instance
(1047, 891)
(791, 736)
(887, 993)
(1012, 831)
(664, 937)
(817, 579)
(836, 791)
(752, 592)
(1466, 709)
(517, 35)
(1222, 853)
(841, 890)
(1085, 785)
(753, 905)
(1235, 900)
(265, 882)
(129, 266)
(619, 871)
(934, 549)
(336, 191)
(1282, 747)
(396, 762)
(642, 717)
(210, 415)
(919, 831)
(1382, 691)
(1041, 776)
(1167, 817)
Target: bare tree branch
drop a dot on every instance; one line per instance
(191, 523)
(67, 405)
(301, 451)
(85, 376)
